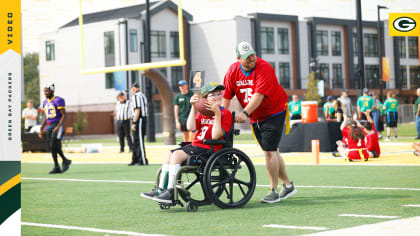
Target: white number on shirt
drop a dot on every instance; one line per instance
(203, 132)
(248, 94)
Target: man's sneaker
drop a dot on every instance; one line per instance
(387, 139)
(66, 165)
(166, 196)
(271, 197)
(287, 192)
(150, 195)
(55, 170)
(336, 154)
(395, 138)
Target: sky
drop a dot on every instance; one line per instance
(41, 16)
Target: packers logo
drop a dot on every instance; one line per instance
(245, 48)
(404, 24)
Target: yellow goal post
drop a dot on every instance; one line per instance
(142, 66)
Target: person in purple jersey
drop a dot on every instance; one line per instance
(54, 114)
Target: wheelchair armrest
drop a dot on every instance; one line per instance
(184, 143)
(214, 141)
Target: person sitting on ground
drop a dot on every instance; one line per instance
(216, 127)
(345, 131)
(337, 113)
(372, 140)
(416, 146)
(356, 149)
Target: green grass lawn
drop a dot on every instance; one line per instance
(118, 206)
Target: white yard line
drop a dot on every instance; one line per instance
(89, 229)
(400, 227)
(258, 185)
(412, 205)
(294, 227)
(370, 216)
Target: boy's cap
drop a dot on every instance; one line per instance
(182, 82)
(329, 98)
(244, 50)
(210, 87)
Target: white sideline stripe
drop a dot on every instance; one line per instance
(89, 229)
(258, 185)
(412, 205)
(294, 227)
(370, 216)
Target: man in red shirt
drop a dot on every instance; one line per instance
(254, 83)
(215, 127)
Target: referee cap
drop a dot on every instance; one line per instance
(50, 87)
(244, 50)
(121, 93)
(136, 85)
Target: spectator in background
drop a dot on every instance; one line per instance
(376, 113)
(346, 104)
(30, 114)
(391, 110)
(372, 140)
(417, 113)
(123, 116)
(337, 113)
(328, 108)
(295, 108)
(364, 105)
(182, 107)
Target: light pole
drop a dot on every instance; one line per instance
(381, 82)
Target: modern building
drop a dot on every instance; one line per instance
(289, 44)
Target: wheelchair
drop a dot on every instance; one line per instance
(227, 177)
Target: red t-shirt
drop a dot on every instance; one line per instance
(262, 79)
(354, 146)
(204, 126)
(372, 143)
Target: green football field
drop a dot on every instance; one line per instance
(104, 199)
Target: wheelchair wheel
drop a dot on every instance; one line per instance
(231, 171)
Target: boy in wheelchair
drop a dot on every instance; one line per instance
(215, 127)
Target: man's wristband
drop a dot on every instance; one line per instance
(134, 122)
(246, 113)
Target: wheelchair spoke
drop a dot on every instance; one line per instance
(192, 183)
(222, 183)
(242, 190)
(236, 167)
(222, 168)
(231, 192)
(238, 181)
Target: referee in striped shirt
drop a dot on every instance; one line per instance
(139, 112)
(123, 117)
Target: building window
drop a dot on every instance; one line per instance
(322, 43)
(49, 50)
(174, 44)
(336, 43)
(371, 45)
(158, 43)
(284, 74)
(337, 78)
(109, 80)
(414, 77)
(283, 40)
(109, 48)
(403, 73)
(133, 40)
(176, 76)
(372, 76)
(402, 47)
(134, 76)
(413, 50)
(355, 45)
(267, 40)
(324, 74)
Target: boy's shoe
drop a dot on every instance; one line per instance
(287, 192)
(55, 170)
(150, 195)
(271, 197)
(166, 196)
(417, 153)
(336, 154)
(66, 165)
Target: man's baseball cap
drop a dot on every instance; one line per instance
(121, 93)
(210, 87)
(50, 87)
(182, 82)
(244, 50)
(136, 85)
(329, 98)
(365, 90)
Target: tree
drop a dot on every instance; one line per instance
(312, 89)
(80, 123)
(31, 77)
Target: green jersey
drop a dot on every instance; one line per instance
(295, 107)
(326, 105)
(365, 103)
(381, 108)
(183, 102)
(416, 105)
(391, 104)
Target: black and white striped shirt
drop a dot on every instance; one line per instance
(123, 110)
(139, 101)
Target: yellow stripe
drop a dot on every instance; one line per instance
(253, 134)
(287, 120)
(9, 184)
